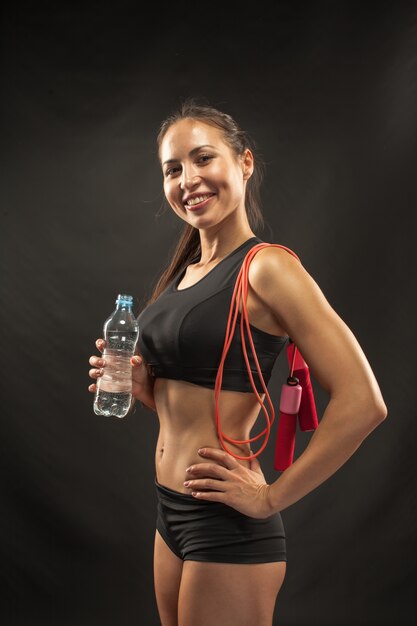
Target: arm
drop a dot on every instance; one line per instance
(142, 383)
(280, 283)
(335, 359)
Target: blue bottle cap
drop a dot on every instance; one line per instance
(124, 299)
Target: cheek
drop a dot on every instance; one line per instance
(172, 198)
(226, 178)
(169, 194)
(218, 176)
(167, 190)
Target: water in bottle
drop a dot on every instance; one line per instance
(114, 388)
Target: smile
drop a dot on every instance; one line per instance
(198, 201)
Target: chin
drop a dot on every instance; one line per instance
(206, 219)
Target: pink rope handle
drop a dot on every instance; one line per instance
(239, 296)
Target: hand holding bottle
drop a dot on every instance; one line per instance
(114, 387)
(142, 381)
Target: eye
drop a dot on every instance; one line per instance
(171, 170)
(204, 158)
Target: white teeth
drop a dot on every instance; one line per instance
(197, 199)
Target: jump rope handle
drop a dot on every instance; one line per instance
(297, 400)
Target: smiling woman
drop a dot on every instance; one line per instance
(220, 540)
(203, 178)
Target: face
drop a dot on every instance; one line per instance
(204, 180)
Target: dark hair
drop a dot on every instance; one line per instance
(188, 246)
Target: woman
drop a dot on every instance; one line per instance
(220, 545)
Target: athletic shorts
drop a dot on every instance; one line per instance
(202, 530)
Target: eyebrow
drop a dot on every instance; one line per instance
(191, 153)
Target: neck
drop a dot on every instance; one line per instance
(220, 241)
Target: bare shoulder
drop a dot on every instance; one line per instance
(274, 266)
(281, 281)
(274, 254)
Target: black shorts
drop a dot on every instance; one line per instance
(202, 530)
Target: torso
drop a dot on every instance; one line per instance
(185, 414)
(185, 410)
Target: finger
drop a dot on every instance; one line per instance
(214, 496)
(213, 470)
(136, 360)
(97, 361)
(94, 373)
(92, 388)
(101, 344)
(206, 483)
(255, 466)
(220, 456)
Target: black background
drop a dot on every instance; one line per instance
(329, 92)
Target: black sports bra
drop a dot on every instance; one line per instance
(182, 333)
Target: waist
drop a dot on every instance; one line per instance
(168, 495)
(187, 422)
(173, 457)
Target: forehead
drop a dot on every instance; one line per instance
(187, 134)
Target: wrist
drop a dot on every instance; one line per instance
(266, 507)
(148, 394)
(146, 398)
(275, 506)
(149, 404)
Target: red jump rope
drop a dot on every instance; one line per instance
(297, 398)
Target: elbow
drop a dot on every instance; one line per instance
(373, 417)
(376, 413)
(372, 399)
(380, 412)
(377, 408)
(365, 411)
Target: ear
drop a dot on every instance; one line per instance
(247, 164)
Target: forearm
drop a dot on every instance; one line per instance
(146, 401)
(143, 383)
(342, 429)
(145, 396)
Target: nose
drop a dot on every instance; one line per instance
(189, 179)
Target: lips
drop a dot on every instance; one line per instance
(196, 201)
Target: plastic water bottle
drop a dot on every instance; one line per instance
(114, 388)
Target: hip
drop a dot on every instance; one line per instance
(213, 531)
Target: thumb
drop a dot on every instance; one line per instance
(136, 360)
(255, 466)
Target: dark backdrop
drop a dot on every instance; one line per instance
(328, 90)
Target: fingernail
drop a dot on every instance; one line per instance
(189, 468)
(137, 360)
(187, 482)
(201, 451)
